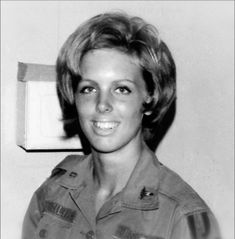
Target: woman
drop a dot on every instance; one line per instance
(120, 76)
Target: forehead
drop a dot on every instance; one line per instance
(110, 61)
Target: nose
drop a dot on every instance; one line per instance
(104, 103)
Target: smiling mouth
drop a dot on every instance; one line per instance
(106, 125)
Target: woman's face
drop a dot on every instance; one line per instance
(109, 100)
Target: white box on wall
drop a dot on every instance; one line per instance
(39, 124)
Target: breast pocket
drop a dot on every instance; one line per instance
(51, 227)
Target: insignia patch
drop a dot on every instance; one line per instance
(124, 232)
(64, 213)
(58, 172)
(199, 225)
(147, 193)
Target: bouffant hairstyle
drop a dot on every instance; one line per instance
(131, 35)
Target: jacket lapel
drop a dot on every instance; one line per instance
(140, 192)
(78, 180)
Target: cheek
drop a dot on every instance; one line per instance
(83, 107)
(132, 111)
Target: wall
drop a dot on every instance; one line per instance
(199, 145)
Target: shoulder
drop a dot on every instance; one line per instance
(190, 212)
(68, 164)
(70, 161)
(63, 174)
(57, 183)
(176, 191)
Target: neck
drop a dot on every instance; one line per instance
(112, 170)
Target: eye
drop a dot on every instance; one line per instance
(123, 90)
(87, 90)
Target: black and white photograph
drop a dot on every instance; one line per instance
(117, 119)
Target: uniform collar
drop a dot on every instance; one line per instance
(140, 192)
(78, 173)
(79, 183)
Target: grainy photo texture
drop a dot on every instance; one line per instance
(117, 119)
(116, 78)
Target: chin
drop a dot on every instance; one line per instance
(105, 147)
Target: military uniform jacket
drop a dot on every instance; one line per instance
(155, 204)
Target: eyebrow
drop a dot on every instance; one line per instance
(115, 81)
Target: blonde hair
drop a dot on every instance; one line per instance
(128, 34)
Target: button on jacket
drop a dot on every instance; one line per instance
(155, 204)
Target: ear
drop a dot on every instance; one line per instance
(148, 112)
(148, 99)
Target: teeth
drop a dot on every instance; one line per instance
(106, 125)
